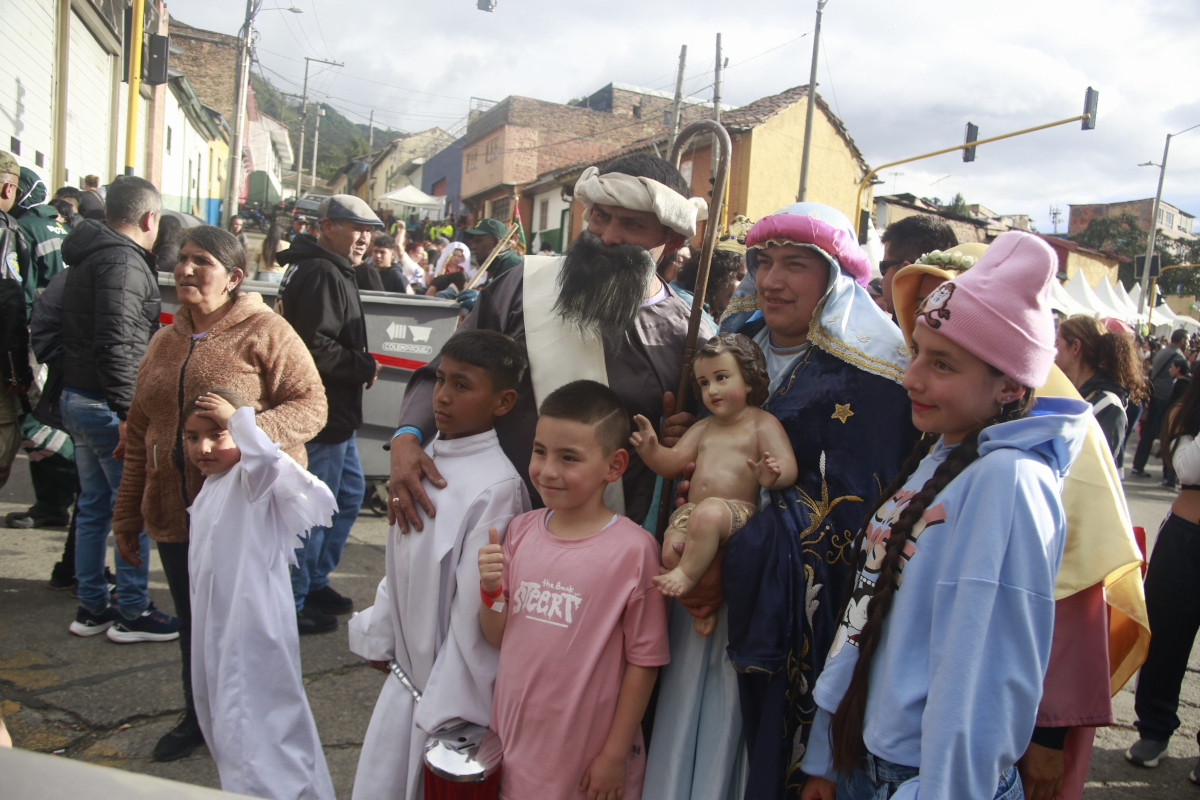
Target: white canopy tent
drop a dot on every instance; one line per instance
(1108, 295)
(410, 197)
(1062, 302)
(1081, 292)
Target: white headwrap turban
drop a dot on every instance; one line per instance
(677, 212)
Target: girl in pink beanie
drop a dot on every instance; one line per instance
(933, 682)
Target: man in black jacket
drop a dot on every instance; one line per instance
(15, 372)
(110, 309)
(320, 299)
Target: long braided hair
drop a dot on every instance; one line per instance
(846, 730)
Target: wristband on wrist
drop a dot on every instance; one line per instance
(494, 599)
(410, 429)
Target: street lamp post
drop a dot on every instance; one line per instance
(233, 190)
(1162, 173)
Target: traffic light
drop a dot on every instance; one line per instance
(1139, 266)
(1089, 107)
(486, 5)
(972, 136)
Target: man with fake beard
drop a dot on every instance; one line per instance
(598, 312)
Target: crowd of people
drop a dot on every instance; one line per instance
(901, 562)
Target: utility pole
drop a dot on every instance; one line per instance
(371, 133)
(304, 118)
(234, 187)
(1162, 173)
(135, 83)
(812, 102)
(316, 141)
(716, 103)
(678, 107)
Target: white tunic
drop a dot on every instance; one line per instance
(426, 617)
(246, 675)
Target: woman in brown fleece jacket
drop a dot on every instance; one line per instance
(219, 338)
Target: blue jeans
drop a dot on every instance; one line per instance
(338, 466)
(94, 428)
(877, 779)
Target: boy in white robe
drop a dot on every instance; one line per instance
(245, 526)
(426, 612)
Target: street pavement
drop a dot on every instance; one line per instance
(106, 703)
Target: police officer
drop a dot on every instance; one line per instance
(52, 453)
(43, 234)
(15, 372)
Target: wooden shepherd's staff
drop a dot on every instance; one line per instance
(712, 230)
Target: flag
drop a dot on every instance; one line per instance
(519, 242)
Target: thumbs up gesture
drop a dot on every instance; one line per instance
(491, 563)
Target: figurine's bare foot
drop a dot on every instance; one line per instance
(705, 625)
(674, 583)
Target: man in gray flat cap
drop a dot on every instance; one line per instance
(320, 299)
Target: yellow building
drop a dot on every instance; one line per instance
(1073, 257)
(768, 140)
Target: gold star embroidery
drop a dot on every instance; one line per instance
(842, 412)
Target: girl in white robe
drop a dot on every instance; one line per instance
(426, 616)
(245, 526)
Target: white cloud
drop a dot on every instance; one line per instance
(905, 77)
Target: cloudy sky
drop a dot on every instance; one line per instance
(905, 77)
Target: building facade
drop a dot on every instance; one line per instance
(1173, 223)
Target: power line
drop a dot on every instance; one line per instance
(321, 30)
(318, 95)
(829, 75)
(369, 80)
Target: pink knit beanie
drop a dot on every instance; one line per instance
(999, 310)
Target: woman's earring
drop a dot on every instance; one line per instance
(1006, 399)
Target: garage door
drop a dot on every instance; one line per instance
(89, 105)
(27, 80)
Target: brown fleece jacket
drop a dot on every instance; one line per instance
(252, 352)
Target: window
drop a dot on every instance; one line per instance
(544, 215)
(39, 158)
(1185, 224)
(168, 140)
(472, 160)
(1098, 210)
(1170, 222)
(14, 145)
(493, 149)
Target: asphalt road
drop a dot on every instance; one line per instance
(106, 703)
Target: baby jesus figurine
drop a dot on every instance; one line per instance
(736, 450)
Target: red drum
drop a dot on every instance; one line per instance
(463, 764)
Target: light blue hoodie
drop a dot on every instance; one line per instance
(957, 677)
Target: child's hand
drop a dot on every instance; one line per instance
(604, 778)
(215, 408)
(818, 789)
(491, 562)
(767, 469)
(644, 436)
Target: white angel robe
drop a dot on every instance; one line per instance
(426, 617)
(245, 526)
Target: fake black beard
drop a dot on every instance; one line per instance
(601, 287)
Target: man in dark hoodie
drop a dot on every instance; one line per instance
(110, 309)
(320, 298)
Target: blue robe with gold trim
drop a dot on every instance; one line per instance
(786, 573)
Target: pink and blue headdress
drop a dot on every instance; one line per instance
(846, 323)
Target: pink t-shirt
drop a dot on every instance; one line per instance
(579, 610)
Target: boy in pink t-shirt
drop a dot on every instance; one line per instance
(570, 601)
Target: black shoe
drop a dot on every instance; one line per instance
(312, 620)
(1141, 473)
(329, 601)
(180, 741)
(61, 578)
(28, 519)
